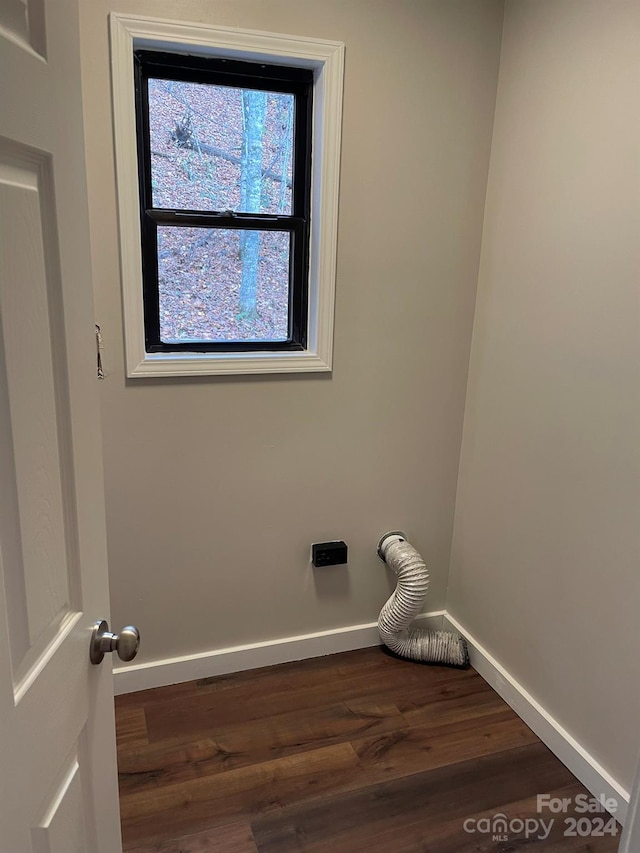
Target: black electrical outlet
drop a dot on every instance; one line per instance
(329, 553)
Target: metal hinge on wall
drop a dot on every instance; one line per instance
(99, 348)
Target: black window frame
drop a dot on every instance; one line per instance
(248, 75)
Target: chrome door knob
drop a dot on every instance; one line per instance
(126, 643)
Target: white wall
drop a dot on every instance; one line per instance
(216, 488)
(547, 535)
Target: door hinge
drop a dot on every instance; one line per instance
(99, 348)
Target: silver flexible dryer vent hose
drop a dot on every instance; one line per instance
(405, 604)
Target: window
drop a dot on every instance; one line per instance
(224, 154)
(228, 234)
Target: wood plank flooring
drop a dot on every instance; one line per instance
(346, 753)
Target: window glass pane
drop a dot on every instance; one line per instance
(220, 148)
(219, 284)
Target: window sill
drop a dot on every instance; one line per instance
(221, 364)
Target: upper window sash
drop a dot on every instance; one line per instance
(243, 75)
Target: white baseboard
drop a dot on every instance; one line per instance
(132, 677)
(572, 754)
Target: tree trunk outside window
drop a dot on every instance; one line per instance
(254, 110)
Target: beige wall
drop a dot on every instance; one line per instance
(547, 532)
(216, 488)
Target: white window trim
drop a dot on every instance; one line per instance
(326, 58)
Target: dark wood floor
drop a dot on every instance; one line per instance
(352, 752)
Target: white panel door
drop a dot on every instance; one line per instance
(58, 790)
